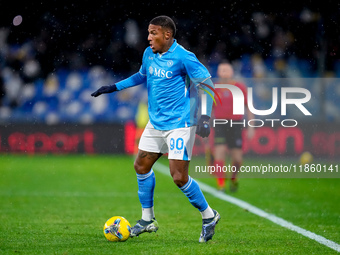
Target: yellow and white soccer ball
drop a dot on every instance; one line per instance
(306, 158)
(117, 229)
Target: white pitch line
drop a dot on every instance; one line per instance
(253, 209)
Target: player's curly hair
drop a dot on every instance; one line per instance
(165, 22)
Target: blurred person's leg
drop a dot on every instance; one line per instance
(236, 158)
(220, 152)
(235, 144)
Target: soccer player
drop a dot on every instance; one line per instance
(227, 136)
(173, 105)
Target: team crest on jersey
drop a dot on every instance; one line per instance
(151, 70)
(170, 63)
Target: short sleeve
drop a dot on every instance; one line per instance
(194, 68)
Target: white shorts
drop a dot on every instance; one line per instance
(177, 142)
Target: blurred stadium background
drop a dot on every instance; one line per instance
(62, 51)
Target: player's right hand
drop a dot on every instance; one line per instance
(203, 126)
(104, 90)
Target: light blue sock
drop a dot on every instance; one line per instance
(146, 186)
(195, 195)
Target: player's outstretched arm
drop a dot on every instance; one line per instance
(104, 90)
(133, 80)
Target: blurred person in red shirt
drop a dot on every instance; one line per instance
(228, 138)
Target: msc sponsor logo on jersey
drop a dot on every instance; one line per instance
(160, 72)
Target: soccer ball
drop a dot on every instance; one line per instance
(117, 229)
(306, 158)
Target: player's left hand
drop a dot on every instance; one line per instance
(203, 126)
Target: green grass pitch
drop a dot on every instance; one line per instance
(59, 204)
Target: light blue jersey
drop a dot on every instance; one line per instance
(172, 99)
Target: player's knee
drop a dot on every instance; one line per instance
(140, 168)
(180, 180)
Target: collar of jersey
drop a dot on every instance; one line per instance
(172, 48)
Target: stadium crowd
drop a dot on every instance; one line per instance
(300, 41)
